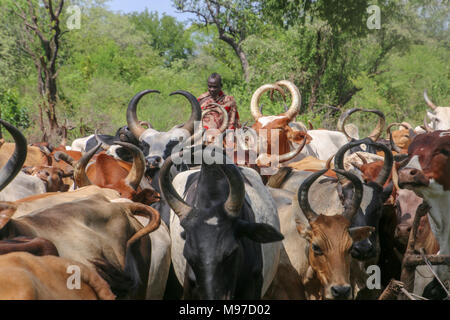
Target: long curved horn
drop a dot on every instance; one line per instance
(302, 195)
(388, 158)
(426, 125)
(105, 145)
(79, 169)
(280, 90)
(59, 155)
(294, 109)
(375, 134)
(292, 154)
(391, 140)
(132, 120)
(343, 119)
(406, 125)
(236, 196)
(256, 113)
(137, 170)
(178, 205)
(428, 101)
(222, 110)
(352, 205)
(196, 114)
(16, 161)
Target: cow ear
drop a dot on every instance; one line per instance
(360, 233)
(258, 232)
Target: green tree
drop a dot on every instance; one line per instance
(164, 34)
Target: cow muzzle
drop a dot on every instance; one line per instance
(363, 250)
(401, 234)
(154, 162)
(339, 292)
(412, 177)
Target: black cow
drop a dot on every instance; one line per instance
(218, 231)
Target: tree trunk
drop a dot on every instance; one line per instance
(241, 55)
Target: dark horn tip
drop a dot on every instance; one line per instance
(183, 92)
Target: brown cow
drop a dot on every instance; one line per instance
(316, 262)
(52, 177)
(35, 156)
(24, 276)
(428, 174)
(107, 172)
(276, 129)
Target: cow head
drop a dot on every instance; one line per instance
(439, 116)
(429, 160)
(331, 239)
(407, 203)
(216, 230)
(274, 131)
(375, 195)
(51, 176)
(158, 145)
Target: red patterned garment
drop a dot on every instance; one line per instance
(213, 119)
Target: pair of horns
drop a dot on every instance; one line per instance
(374, 135)
(220, 109)
(236, 194)
(137, 129)
(350, 210)
(133, 178)
(293, 110)
(388, 158)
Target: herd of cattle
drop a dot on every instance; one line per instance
(127, 217)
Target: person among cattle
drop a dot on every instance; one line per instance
(215, 95)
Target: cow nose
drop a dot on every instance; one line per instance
(402, 230)
(154, 161)
(341, 292)
(363, 250)
(412, 175)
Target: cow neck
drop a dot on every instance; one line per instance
(439, 200)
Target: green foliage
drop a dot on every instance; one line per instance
(11, 111)
(323, 46)
(165, 35)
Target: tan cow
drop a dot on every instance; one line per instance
(315, 261)
(24, 276)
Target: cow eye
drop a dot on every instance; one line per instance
(445, 152)
(316, 249)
